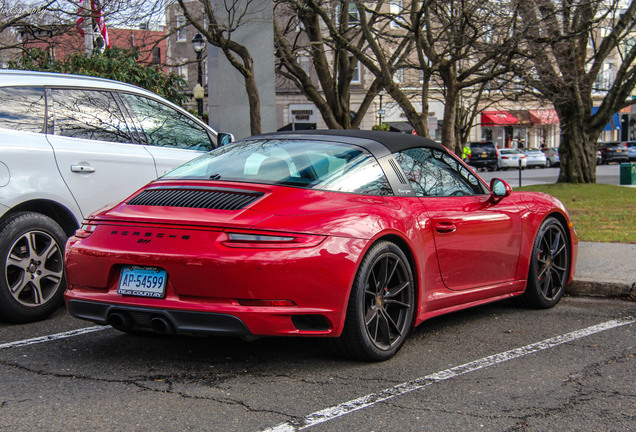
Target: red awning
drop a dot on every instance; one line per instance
(544, 116)
(523, 117)
(497, 118)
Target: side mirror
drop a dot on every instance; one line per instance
(499, 189)
(224, 138)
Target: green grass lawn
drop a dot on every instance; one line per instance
(601, 213)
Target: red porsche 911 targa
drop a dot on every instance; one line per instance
(357, 236)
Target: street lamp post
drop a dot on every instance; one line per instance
(380, 110)
(198, 43)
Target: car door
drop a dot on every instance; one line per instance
(170, 136)
(477, 241)
(94, 149)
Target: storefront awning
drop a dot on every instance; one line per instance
(523, 117)
(544, 116)
(497, 118)
(614, 123)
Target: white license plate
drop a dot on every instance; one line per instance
(143, 282)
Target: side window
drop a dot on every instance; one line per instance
(22, 108)
(362, 176)
(164, 126)
(433, 172)
(88, 114)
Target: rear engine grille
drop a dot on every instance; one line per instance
(213, 198)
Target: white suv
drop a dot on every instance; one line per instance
(68, 146)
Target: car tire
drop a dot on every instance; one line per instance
(32, 253)
(548, 163)
(549, 266)
(380, 310)
(491, 168)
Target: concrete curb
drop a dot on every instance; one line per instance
(602, 289)
(605, 270)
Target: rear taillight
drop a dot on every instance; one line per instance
(269, 240)
(87, 228)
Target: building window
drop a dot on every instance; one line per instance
(156, 55)
(354, 13)
(182, 69)
(398, 76)
(488, 35)
(181, 29)
(396, 12)
(605, 78)
(305, 63)
(356, 78)
(51, 53)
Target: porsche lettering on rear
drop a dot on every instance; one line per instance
(150, 234)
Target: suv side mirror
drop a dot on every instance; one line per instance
(499, 189)
(224, 138)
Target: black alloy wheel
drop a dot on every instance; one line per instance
(549, 265)
(381, 306)
(32, 283)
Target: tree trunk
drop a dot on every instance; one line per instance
(577, 152)
(254, 102)
(449, 137)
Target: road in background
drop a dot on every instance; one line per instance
(605, 174)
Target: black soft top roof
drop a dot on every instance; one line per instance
(393, 141)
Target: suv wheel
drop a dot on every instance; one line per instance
(32, 253)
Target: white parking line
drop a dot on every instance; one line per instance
(419, 383)
(53, 337)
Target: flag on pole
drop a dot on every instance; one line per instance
(80, 20)
(97, 18)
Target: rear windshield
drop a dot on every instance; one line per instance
(302, 163)
(484, 145)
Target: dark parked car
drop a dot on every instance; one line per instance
(613, 152)
(483, 155)
(631, 150)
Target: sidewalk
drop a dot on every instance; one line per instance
(605, 269)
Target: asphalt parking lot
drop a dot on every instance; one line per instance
(498, 367)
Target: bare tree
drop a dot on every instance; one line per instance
(566, 44)
(464, 42)
(300, 37)
(456, 44)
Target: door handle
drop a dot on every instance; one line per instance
(82, 168)
(445, 227)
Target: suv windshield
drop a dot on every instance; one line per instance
(309, 164)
